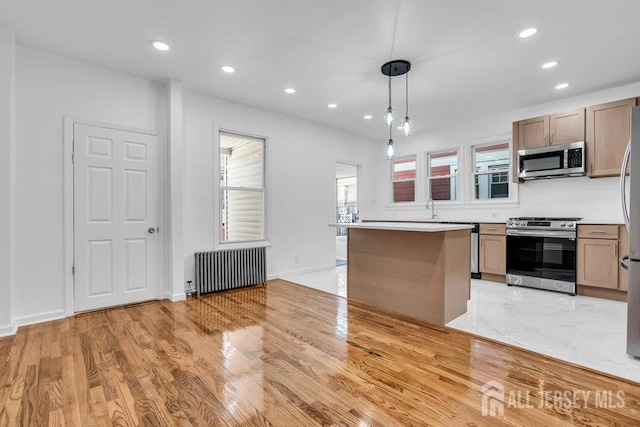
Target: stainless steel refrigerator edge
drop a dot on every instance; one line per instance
(633, 293)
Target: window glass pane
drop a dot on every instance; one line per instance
(241, 161)
(443, 164)
(443, 188)
(492, 185)
(241, 216)
(404, 169)
(492, 157)
(404, 191)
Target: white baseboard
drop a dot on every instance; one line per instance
(175, 297)
(8, 330)
(39, 318)
(301, 271)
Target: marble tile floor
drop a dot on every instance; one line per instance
(587, 331)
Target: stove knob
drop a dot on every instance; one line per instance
(522, 223)
(562, 224)
(571, 224)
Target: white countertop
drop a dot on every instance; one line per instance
(405, 226)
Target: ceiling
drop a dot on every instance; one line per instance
(467, 59)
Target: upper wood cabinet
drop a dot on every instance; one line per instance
(607, 137)
(566, 127)
(533, 133)
(558, 128)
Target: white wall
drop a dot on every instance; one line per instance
(592, 199)
(47, 88)
(300, 180)
(7, 176)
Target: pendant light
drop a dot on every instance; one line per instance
(391, 147)
(391, 69)
(406, 122)
(388, 114)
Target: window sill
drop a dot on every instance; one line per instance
(476, 204)
(243, 245)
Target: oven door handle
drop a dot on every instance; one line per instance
(542, 233)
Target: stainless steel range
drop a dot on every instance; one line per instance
(541, 253)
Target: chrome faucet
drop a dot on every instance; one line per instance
(433, 208)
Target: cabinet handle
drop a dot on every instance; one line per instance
(615, 249)
(597, 231)
(492, 228)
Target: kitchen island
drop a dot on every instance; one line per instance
(420, 270)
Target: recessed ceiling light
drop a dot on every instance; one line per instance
(332, 105)
(228, 69)
(549, 64)
(368, 117)
(400, 127)
(160, 45)
(527, 33)
(562, 86)
(290, 90)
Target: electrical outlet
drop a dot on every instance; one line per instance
(494, 215)
(297, 259)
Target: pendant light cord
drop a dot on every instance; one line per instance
(407, 95)
(389, 88)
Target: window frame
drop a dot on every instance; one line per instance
(218, 189)
(428, 178)
(415, 180)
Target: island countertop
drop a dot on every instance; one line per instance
(404, 226)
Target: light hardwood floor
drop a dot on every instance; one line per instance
(281, 355)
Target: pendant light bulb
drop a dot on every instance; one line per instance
(388, 117)
(406, 127)
(391, 150)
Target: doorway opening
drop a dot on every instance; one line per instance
(346, 205)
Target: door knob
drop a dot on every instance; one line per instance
(151, 230)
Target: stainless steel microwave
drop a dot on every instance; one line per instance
(553, 161)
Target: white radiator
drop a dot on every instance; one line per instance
(230, 269)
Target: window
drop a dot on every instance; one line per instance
(491, 170)
(242, 188)
(443, 175)
(404, 180)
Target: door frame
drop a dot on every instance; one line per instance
(358, 167)
(68, 227)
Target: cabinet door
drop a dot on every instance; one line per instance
(607, 137)
(567, 127)
(623, 275)
(598, 263)
(533, 132)
(493, 254)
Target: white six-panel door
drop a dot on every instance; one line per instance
(115, 217)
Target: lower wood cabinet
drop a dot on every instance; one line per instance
(598, 259)
(493, 254)
(598, 263)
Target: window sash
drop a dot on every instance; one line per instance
(503, 172)
(243, 203)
